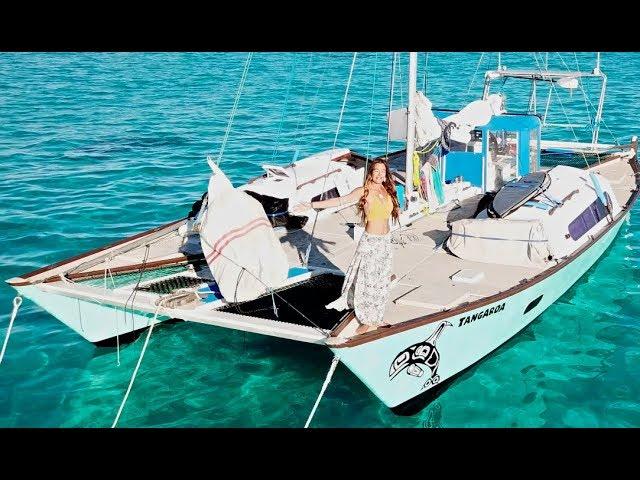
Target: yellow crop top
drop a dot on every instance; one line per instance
(380, 209)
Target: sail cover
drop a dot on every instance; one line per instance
(476, 114)
(243, 253)
(501, 241)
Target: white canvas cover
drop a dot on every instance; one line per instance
(283, 182)
(475, 114)
(500, 240)
(238, 241)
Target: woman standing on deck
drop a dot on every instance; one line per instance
(366, 283)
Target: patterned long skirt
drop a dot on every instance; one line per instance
(366, 283)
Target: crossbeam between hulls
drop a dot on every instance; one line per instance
(246, 323)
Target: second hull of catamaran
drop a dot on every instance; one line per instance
(96, 319)
(412, 359)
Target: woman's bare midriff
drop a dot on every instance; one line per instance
(377, 227)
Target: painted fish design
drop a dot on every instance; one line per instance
(423, 353)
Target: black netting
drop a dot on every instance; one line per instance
(309, 297)
(170, 285)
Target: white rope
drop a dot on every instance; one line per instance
(273, 302)
(334, 364)
(234, 109)
(135, 372)
(66, 280)
(107, 268)
(16, 306)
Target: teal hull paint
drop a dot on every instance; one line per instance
(462, 340)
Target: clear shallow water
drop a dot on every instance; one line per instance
(95, 147)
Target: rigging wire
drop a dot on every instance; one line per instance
(315, 98)
(304, 94)
(615, 139)
(563, 109)
(584, 93)
(373, 93)
(335, 140)
(475, 73)
(234, 109)
(270, 290)
(426, 69)
(393, 77)
(284, 106)
(135, 289)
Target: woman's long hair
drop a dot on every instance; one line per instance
(388, 184)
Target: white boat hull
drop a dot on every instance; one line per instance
(94, 321)
(404, 365)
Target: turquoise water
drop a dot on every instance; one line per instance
(95, 147)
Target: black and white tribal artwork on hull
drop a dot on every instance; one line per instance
(418, 357)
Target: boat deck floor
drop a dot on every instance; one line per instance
(424, 269)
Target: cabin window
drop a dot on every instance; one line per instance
(587, 219)
(533, 151)
(503, 157)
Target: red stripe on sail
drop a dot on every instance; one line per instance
(234, 234)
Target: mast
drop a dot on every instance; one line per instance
(411, 125)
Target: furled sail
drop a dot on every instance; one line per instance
(427, 126)
(475, 114)
(243, 253)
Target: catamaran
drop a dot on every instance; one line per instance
(488, 239)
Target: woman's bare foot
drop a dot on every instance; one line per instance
(363, 328)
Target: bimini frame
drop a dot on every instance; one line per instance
(561, 78)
